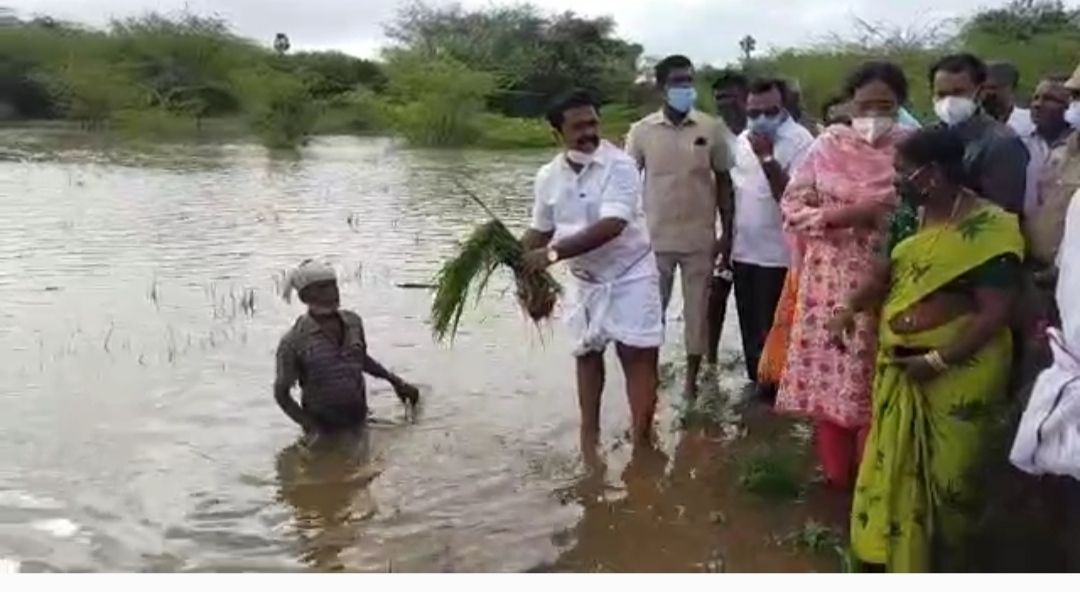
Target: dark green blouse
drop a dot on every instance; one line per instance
(1001, 272)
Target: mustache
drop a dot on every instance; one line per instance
(589, 140)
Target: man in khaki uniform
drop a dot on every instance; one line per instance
(686, 157)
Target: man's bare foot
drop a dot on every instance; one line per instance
(690, 389)
(590, 443)
(592, 459)
(643, 438)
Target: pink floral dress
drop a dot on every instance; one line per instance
(821, 381)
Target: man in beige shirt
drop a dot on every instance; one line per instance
(1045, 224)
(686, 157)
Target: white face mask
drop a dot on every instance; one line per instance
(872, 128)
(955, 110)
(1072, 115)
(579, 157)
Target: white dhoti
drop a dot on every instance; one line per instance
(1048, 438)
(625, 309)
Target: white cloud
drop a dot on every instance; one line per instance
(707, 30)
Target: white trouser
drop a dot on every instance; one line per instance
(625, 309)
(1048, 439)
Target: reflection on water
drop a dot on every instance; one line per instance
(325, 483)
(139, 430)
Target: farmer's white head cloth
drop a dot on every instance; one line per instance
(308, 272)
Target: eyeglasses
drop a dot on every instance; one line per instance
(770, 112)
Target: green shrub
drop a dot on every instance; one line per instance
(360, 111)
(772, 472)
(280, 109)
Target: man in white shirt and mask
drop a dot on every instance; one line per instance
(773, 144)
(588, 212)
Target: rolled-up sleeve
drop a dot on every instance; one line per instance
(1003, 174)
(622, 193)
(543, 214)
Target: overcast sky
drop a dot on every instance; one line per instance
(706, 30)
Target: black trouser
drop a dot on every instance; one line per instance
(757, 293)
(718, 298)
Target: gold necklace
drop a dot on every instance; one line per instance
(908, 319)
(952, 215)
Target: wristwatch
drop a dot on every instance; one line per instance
(552, 255)
(767, 159)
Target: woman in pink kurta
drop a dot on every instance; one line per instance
(836, 204)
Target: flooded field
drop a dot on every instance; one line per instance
(139, 433)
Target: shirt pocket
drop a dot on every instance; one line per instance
(701, 155)
(571, 208)
(355, 348)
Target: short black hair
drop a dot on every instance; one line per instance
(763, 85)
(887, 73)
(731, 79)
(829, 104)
(956, 63)
(1005, 72)
(938, 145)
(571, 99)
(672, 62)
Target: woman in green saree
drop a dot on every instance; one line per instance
(944, 287)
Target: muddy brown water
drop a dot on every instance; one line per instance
(140, 316)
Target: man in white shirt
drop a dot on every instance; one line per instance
(1047, 142)
(588, 212)
(766, 152)
(999, 98)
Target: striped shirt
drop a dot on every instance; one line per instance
(331, 375)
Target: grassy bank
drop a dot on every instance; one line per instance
(449, 78)
(164, 77)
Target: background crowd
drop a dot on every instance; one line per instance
(893, 282)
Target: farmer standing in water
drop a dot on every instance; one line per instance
(326, 352)
(588, 212)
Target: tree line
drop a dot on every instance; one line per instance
(449, 76)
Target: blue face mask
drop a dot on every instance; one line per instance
(682, 98)
(905, 118)
(766, 126)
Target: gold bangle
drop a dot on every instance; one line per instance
(936, 361)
